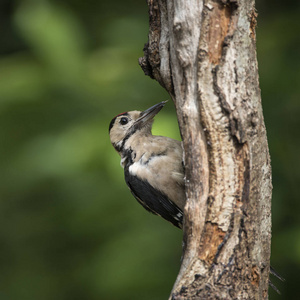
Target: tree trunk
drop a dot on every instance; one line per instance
(203, 52)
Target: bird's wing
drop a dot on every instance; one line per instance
(153, 200)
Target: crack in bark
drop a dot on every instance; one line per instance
(226, 237)
(212, 238)
(219, 19)
(222, 24)
(236, 125)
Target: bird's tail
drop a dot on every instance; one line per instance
(276, 274)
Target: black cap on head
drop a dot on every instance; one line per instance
(112, 122)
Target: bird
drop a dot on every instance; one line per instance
(153, 165)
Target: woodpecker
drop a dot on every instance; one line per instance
(152, 164)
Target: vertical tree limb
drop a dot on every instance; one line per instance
(203, 52)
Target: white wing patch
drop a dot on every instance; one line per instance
(138, 169)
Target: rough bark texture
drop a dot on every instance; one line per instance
(203, 52)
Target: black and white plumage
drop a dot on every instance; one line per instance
(152, 164)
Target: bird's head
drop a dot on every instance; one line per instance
(126, 124)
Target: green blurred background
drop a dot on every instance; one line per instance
(70, 228)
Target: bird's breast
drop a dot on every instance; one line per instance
(163, 172)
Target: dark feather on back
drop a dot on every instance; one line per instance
(153, 200)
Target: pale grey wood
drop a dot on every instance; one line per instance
(204, 53)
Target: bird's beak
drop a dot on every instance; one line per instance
(149, 113)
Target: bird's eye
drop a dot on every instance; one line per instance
(123, 121)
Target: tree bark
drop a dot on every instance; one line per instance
(203, 52)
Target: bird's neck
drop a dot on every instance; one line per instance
(134, 147)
